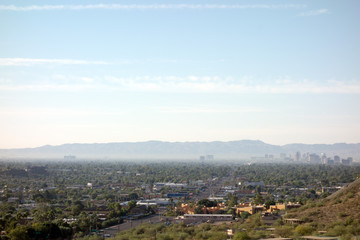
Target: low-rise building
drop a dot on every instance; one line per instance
(252, 209)
(155, 201)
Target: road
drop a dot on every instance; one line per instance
(128, 224)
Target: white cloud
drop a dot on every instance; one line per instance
(55, 112)
(210, 109)
(48, 87)
(194, 84)
(87, 79)
(37, 61)
(315, 12)
(146, 7)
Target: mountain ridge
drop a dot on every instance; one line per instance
(192, 149)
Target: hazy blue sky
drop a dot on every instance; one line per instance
(281, 71)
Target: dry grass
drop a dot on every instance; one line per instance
(339, 206)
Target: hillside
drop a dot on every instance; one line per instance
(341, 207)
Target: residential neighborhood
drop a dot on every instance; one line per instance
(86, 201)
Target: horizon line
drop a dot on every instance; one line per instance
(162, 141)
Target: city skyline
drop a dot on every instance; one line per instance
(121, 71)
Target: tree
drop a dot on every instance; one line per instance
(44, 213)
(22, 214)
(244, 215)
(198, 210)
(46, 230)
(258, 199)
(207, 203)
(84, 222)
(269, 202)
(132, 204)
(115, 210)
(77, 208)
(232, 212)
(133, 196)
(258, 189)
(232, 200)
(19, 233)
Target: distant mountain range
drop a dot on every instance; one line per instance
(178, 150)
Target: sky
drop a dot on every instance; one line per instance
(97, 71)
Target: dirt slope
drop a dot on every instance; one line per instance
(339, 206)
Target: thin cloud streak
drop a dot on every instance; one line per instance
(207, 109)
(37, 61)
(51, 112)
(190, 84)
(145, 7)
(315, 13)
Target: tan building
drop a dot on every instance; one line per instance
(250, 209)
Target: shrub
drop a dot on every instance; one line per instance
(284, 231)
(338, 230)
(342, 215)
(19, 233)
(304, 230)
(241, 236)
(164, 236)
(320, 204)
(181, 235)
(346, 237)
